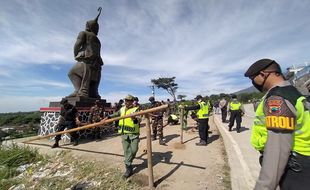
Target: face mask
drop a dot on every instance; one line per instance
(260, 87)
(257, 86)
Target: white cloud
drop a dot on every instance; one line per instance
(206, 45)
(24, 103)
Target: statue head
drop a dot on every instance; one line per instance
(92, 25)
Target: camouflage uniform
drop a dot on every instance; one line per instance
(157, 125)
(96, 114)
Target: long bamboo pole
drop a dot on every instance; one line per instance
(149, 153)
(143, 112)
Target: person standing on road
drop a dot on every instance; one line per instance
(223, 106)
(157, 125)
(281, 130)
(203, 119)
(129, 129)
(68, 119)
(236, 112)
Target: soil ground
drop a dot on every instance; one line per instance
(175, 166)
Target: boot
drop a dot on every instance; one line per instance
(201, 143)
(55, 145)
(161, 141)
(128, 172)
(75, 143)
(154, 137)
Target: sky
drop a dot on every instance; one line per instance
(206, 44)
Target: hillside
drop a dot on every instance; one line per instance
(20, 118)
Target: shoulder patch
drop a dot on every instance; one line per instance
(279, 117)
(274, 104)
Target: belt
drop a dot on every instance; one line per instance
(297, 155)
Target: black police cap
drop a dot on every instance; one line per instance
(258, 66)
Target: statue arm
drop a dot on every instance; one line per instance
(81, 39)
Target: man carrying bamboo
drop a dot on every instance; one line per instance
(129, 129)
(68, 119)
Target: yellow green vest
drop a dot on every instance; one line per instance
(301, 139)
(127, 126)
(234, 106)
(203, 112)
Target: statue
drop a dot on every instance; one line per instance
(86, 73)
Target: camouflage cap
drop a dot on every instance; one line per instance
(129, 97)
(198, 97)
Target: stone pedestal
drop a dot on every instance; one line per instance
(81, 102)
(50, 116)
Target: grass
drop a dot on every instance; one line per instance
(226, 169)
(11, 158)
(61, 171)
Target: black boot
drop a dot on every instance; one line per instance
(201, 143)
(161, 141)
(128, 172)
(154, 137)
(55, 145)
(75, 142)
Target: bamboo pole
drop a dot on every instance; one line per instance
(99, 123)
(182, 123)
(149, 153)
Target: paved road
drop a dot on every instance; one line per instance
(243, 158)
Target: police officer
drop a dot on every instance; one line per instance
(157, 125)
(236, 112)
(281, 130)
(96, 114)
(129, 129)
(68, 119)
(202, 118)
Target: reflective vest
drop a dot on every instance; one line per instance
(127, 126)
(301, 138)
(203, 112)
(234, 106)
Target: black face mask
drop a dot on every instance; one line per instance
(260, 87)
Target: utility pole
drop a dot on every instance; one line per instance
(153, 90)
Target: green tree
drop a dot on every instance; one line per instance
(167, 84)
(181, 96)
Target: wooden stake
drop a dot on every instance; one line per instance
(182, 123)
(149, 153)
(100, 123)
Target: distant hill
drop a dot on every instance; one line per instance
(19, 118)
(247, 90)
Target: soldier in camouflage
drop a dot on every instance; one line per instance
(96, 114)
(157, 117)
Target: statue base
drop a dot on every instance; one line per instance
(80, 101)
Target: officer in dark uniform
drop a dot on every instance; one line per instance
(202, 119)
(236, 112)
(68, 119)
(157, 125)
(96, 114)
(281, 129)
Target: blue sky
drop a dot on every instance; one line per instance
(207, 45)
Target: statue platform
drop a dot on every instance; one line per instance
(50, 116)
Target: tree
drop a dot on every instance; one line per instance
(167, 84)
(181, 96)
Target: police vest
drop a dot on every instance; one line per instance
(234, 106)
(301, 138)
(203, 112)
(127, 126)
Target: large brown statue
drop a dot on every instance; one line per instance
(86, 73)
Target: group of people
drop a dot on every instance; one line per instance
(281, 129)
